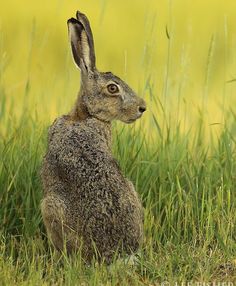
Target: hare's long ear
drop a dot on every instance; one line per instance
(84, 20)
(81, 45)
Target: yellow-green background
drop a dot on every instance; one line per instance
(186, 183)
(188, 73)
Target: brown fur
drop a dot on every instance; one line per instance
(88, 203)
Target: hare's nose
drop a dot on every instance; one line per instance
(141, 109)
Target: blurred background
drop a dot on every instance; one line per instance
(179, 55)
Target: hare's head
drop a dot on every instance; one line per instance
(103, 95)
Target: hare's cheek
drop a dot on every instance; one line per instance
(125, 116)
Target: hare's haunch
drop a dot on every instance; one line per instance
(88, 204)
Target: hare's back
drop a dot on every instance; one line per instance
(81, 154)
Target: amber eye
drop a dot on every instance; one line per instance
(112, 88)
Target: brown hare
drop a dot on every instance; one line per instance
(88, 204)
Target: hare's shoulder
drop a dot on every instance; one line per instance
(59, 128)
(81, 145)
(81, 134)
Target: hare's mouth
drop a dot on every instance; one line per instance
(131, 120)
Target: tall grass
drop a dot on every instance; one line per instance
(181, 156)
(187, 188)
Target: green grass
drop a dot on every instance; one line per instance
(187, 188)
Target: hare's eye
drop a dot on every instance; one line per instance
(112, 88)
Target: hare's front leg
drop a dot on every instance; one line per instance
(54, 216)
(132, 189)
(138, 210)
(131, 185)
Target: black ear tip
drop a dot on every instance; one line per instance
(79, 14)
(72, 21)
